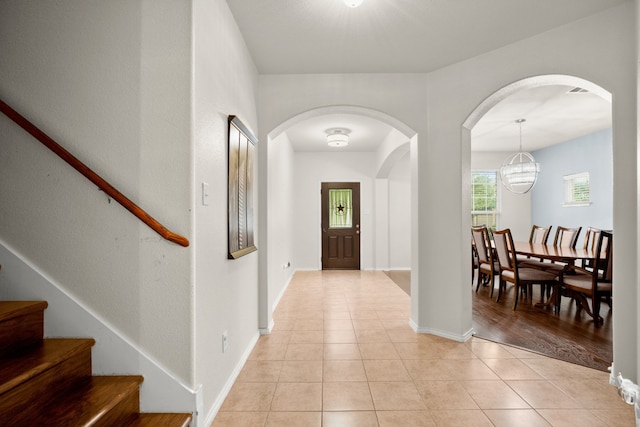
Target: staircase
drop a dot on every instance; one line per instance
(49, 382)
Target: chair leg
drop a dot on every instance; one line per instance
(517, 292)
(582, 302)
(544, 289)
(492, 284)
(596, 310)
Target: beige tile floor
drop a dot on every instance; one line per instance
(342, 354)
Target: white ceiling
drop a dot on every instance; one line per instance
(552, 115)
(366, 133)
(407, 36)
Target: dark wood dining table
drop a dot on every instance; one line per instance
(553, 253)
(565, 255)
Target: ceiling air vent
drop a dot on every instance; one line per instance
(578, 90)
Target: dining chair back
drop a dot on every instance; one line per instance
(487, 266)
(595, 283)
(522, 277)
(539, 234)
(590, 240)
(566, 237)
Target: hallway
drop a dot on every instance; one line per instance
(342, 354)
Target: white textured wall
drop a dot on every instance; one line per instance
(283, 210)
(310, 170)
(110, 81)
(226, 291)
(400, 215)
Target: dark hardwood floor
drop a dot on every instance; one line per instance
(569, 336)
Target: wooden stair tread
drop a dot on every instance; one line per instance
(20, 367)
(49, 381)
(94, 399)
(21, 325)
(164, 420)
(10, 309)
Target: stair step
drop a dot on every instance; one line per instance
(98, 401)
(49, 382)
(10, 309)
(21, 324)
(164, 420)
(34, 378)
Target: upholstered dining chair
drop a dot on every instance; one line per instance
(474, 261)
(487, 266)
(565, 237)
(595, 283)
(521, 277)
(538, 234)
(591, 237)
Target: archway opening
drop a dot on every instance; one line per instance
(297, 160)
(570, 132)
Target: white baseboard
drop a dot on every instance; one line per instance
(267, 331)
(232, 379)
(282, 291)
(444, 334)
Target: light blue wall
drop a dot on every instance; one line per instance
(591, 153)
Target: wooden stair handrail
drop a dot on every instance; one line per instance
(91, 175)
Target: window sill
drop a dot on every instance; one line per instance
(576, 205)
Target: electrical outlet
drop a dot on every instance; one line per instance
(225, 341)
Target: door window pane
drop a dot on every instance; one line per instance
(340, 208)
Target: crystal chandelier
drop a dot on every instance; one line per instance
(519, 172)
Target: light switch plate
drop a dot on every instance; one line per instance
(205, 194)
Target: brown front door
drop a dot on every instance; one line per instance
(341, 226)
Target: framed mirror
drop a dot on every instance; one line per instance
(242, 151)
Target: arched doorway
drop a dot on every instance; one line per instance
(290, 228)
(531, 96)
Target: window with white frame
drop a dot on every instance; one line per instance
(576, 189)
(484, 198)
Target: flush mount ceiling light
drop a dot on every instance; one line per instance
(338, 137)
(353, 3)
(519, 172)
